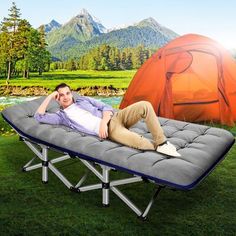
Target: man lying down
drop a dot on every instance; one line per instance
(96, 118)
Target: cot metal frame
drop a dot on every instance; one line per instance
(41, 152)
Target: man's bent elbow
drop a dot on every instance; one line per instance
(38, 116)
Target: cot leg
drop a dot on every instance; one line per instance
(105, 187)
(25, 167)
(144, 214)
(45, 165)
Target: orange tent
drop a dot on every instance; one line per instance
(192, 78)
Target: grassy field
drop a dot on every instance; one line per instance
(118, 79)
(28, 207)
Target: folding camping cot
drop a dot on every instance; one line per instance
(201, 148)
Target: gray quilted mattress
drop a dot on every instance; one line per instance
(201, 147)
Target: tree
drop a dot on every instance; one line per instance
(9, 44)
(114, 58)
(117, 59)
(23, 35)
(71, 65)
(54, 66)
(38, 57)
(137, 57)
(103, 64)
(92, 64)
(3, 52)
(122, 61)
(128, 59)
(22, 48)
(43, 55)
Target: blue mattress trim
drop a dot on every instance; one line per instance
(88, 158)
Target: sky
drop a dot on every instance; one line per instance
(213, 18)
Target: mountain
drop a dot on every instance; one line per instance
(84, 32)
(79, 29)
(119, 27)
(51, 26)
(150, 22)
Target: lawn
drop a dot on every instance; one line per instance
(76, 79)
(29, 207)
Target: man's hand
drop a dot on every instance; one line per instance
(55, 95)
(103, 130)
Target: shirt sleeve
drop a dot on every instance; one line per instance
(48, 118)
(100, 105)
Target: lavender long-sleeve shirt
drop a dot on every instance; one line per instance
(94, 106)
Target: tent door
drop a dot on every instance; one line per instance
(195, 89)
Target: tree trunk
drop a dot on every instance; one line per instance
(24, 74)
(8, 73)
(12, 71)
(27, 74)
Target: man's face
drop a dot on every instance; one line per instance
(65, 97)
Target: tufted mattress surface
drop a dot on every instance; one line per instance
(201, 147)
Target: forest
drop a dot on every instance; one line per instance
(106, 58)
(22, 48)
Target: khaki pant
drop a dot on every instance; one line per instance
(125, 118)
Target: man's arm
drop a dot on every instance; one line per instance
(48, 118)
(100, 105)
(103, 129)
(42, 108)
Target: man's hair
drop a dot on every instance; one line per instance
(62, 85)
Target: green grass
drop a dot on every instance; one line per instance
(5, 128)
(76, 79)
(28, 207)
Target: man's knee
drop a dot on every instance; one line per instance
(146, 104)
